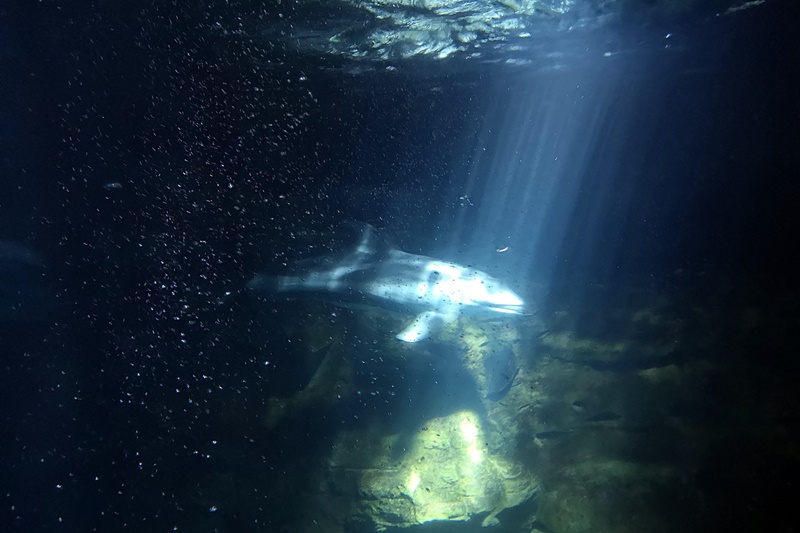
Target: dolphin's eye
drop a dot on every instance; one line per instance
(434, 276)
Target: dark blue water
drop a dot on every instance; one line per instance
(150, 162)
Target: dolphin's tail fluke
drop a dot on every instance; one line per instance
(265, 284)
(276, 284)
(262, 283)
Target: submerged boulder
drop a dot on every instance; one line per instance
(442, 472)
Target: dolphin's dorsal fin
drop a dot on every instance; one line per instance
(369, 243)
(358, 243)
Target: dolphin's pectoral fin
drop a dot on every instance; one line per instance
(421, 327)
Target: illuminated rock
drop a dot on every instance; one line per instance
(444, 472)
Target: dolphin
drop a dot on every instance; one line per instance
(375, 275)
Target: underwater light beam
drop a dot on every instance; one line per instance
(535, 155)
